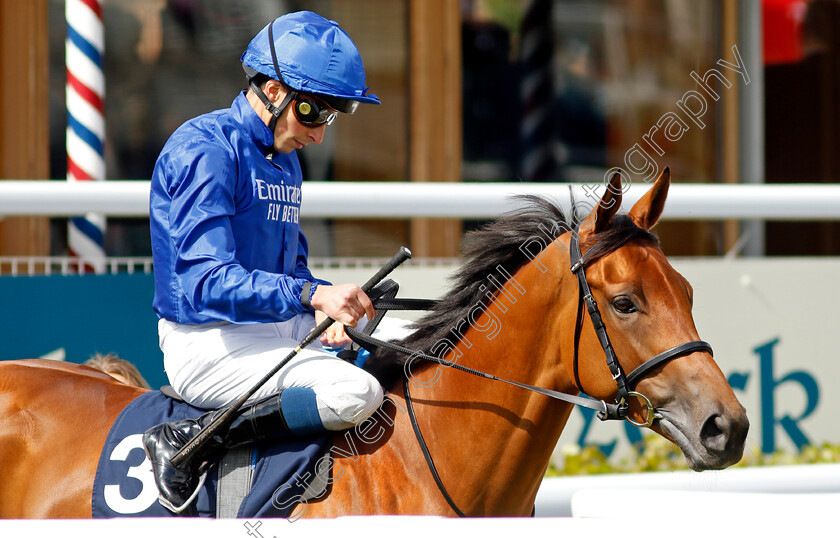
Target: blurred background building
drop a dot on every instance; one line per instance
(472, 90)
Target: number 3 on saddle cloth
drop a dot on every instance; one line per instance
(124, 485)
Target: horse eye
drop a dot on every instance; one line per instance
(623, 305)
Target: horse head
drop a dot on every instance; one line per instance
(646, 307)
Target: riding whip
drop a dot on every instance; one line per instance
(189, 450)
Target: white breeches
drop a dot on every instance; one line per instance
(212, 365)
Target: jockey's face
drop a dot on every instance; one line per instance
(289, 133)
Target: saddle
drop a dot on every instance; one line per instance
(261, 480)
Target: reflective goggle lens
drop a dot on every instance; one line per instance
(311, 113)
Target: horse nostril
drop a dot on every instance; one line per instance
(715, 433)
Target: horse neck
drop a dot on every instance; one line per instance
(495, 438)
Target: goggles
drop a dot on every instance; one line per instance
(312, 112)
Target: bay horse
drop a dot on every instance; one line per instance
(514, 311)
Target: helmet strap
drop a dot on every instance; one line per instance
(290, 94)
(275, 111)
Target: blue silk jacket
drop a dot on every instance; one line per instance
(226, 238)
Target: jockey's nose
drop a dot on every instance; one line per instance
(316, 134)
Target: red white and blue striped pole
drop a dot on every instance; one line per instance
(85, 90)
(537, 93)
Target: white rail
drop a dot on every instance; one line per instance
(460, 200)
(66, 265)
(70, 265)
(556, 495)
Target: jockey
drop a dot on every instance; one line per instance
(232, 288)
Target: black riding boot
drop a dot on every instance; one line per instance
(177, 485)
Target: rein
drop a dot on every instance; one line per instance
(369, 342)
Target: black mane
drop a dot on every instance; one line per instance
(498, 244)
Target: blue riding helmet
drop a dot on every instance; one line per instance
(310, 54)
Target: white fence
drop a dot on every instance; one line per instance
(562, 496)
(67, 265)
(460, 200)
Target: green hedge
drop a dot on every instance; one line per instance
(657, 454)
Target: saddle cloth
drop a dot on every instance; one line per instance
(124, 484)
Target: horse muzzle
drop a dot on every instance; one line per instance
(714, 440)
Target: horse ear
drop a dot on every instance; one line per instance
(607, 207)
(648, 209)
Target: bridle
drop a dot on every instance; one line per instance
(617, 410)
(624, 383)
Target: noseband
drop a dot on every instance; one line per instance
(624, 383)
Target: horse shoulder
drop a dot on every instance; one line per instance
(377, 468)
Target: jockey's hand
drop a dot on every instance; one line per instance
(334, 337)
(346, 304)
